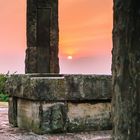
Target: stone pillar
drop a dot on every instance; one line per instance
(126, 70)
(42, 37)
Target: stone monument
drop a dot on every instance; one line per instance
(43, 102)
(42, 37)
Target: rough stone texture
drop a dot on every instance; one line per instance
(126, 70)
(58, 117)
(12, 111)
(14, 133)
(31, 60)
(42, 37)
(88, 87)
(86, 116)
(28, 115)
(36, 88)
(60, 87)
(53, 117)
(42, 117)
(46, 103)
(31, 23)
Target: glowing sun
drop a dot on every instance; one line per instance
(70, 57)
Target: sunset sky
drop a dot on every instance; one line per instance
(85, 36)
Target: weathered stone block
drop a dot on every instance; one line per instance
(12, 111)
(60, 87)
(88, 87)
(36, 88)
(14, 85)
(98, 87)
(45, 102)
(54, 117)
(86, 116)
(49, 89)
(42, 117)
(28, 115)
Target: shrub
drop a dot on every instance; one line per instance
(3, 79)
(3, 95)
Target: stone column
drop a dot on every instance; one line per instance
(126, 70)
(42, 37)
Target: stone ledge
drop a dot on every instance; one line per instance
(49, 87)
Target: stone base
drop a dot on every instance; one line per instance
(56, 104)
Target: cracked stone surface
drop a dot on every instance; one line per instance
(9, 133)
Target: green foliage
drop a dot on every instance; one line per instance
(3, 95)
(3, 79)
